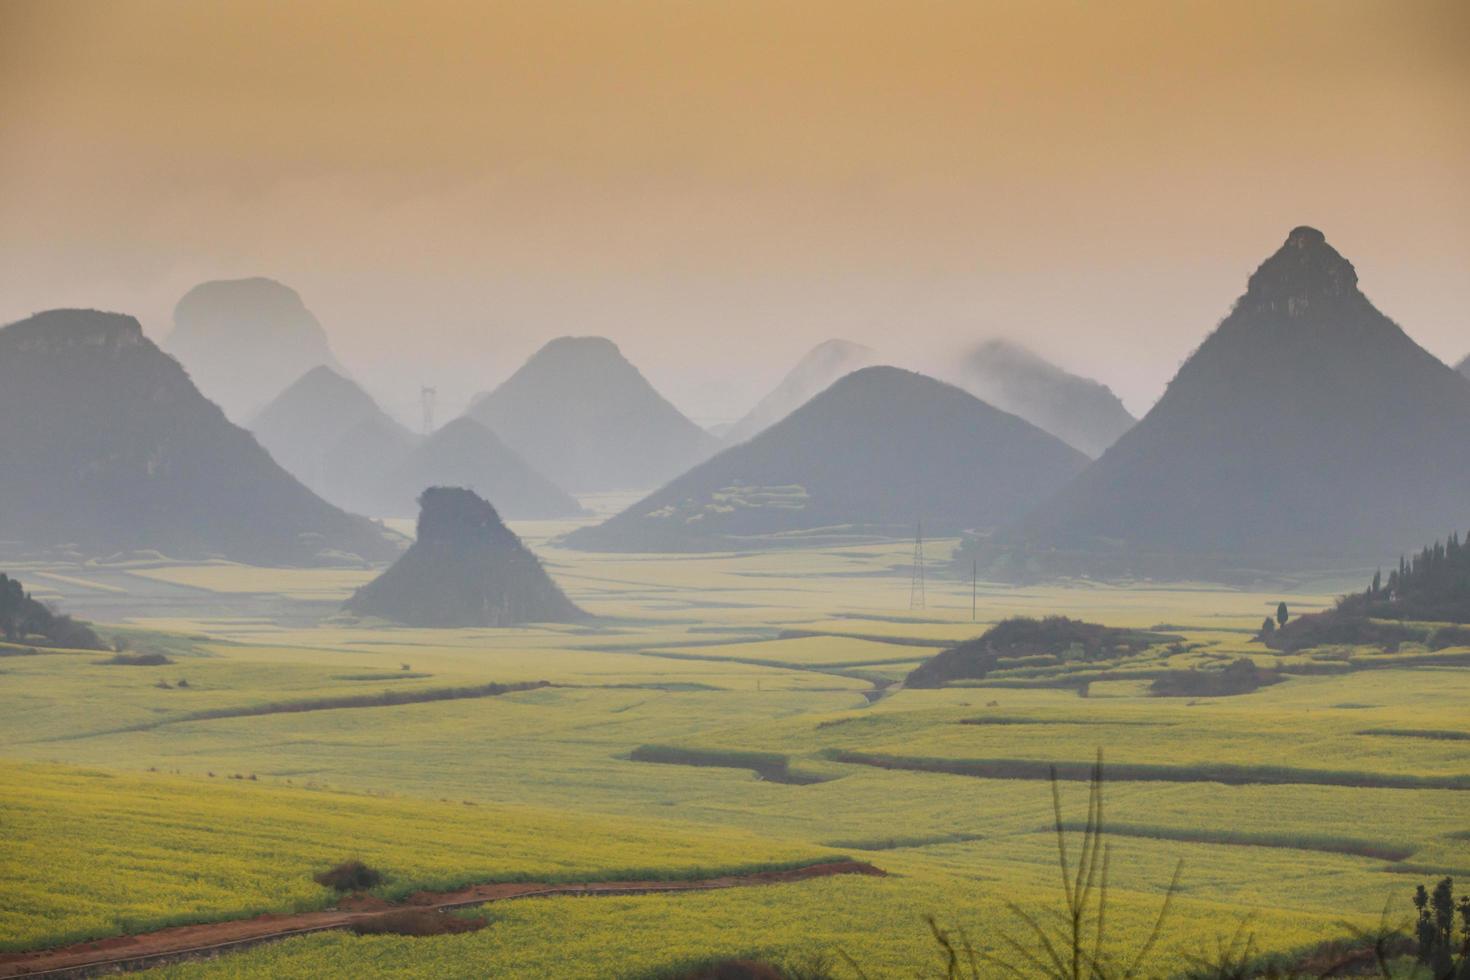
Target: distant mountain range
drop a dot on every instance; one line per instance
(876, 453)
(1308, 429)
(812, 375)
(1082, 413)
(111, 449)
(583, 416)
(244, 340)
(1464, 367)
(466, 568)
(330, 433)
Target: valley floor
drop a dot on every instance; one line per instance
(212, 788)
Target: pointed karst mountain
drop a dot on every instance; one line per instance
(331, 435)
(1307, 428)
(585, 417)
(878, 451)
(465, 453)
(110, 447)
(811, 376)
(465, 569)
(244, 340)
(1083, 413)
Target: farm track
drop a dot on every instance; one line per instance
(126, 953)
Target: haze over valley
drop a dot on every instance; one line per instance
(760, 491)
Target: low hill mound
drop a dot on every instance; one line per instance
(1055, 639)
(1307, 432)
(244, 340)
(876, 452)
(111, 448)
(588, 420)
(1083, 413)
(812, 375)
(465, 569)
(466, 454)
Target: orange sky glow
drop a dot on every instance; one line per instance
(720, 185)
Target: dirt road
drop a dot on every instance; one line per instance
(121, 953)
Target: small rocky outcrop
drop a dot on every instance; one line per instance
(466, 569)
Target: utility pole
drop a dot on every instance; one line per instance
(427, 397)
(916, 581)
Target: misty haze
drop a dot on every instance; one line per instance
(694, 491)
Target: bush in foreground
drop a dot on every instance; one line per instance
(349, 876)
(137, 660)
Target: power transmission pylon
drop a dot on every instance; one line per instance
(427, 397)
(916, 583)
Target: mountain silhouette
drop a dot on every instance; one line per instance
(880, 450)
(1082, 413)
(465, 569)
(112, 448)
(1464, 367)
(465, 453)
(244, 340)
(1308, 428)
(331, 435)
(583, 416)
(812, 375)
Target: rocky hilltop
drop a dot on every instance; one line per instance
(465, 569)
(1308, 430)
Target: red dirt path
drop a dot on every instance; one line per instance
(185, 942)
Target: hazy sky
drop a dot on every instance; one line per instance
(720, 184)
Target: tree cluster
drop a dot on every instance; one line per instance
(1433, 585)
(1444, 945)
(22, 618)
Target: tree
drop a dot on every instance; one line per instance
(1268, 626)
(1282, 615)
(1435, 931)
(22, 616)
